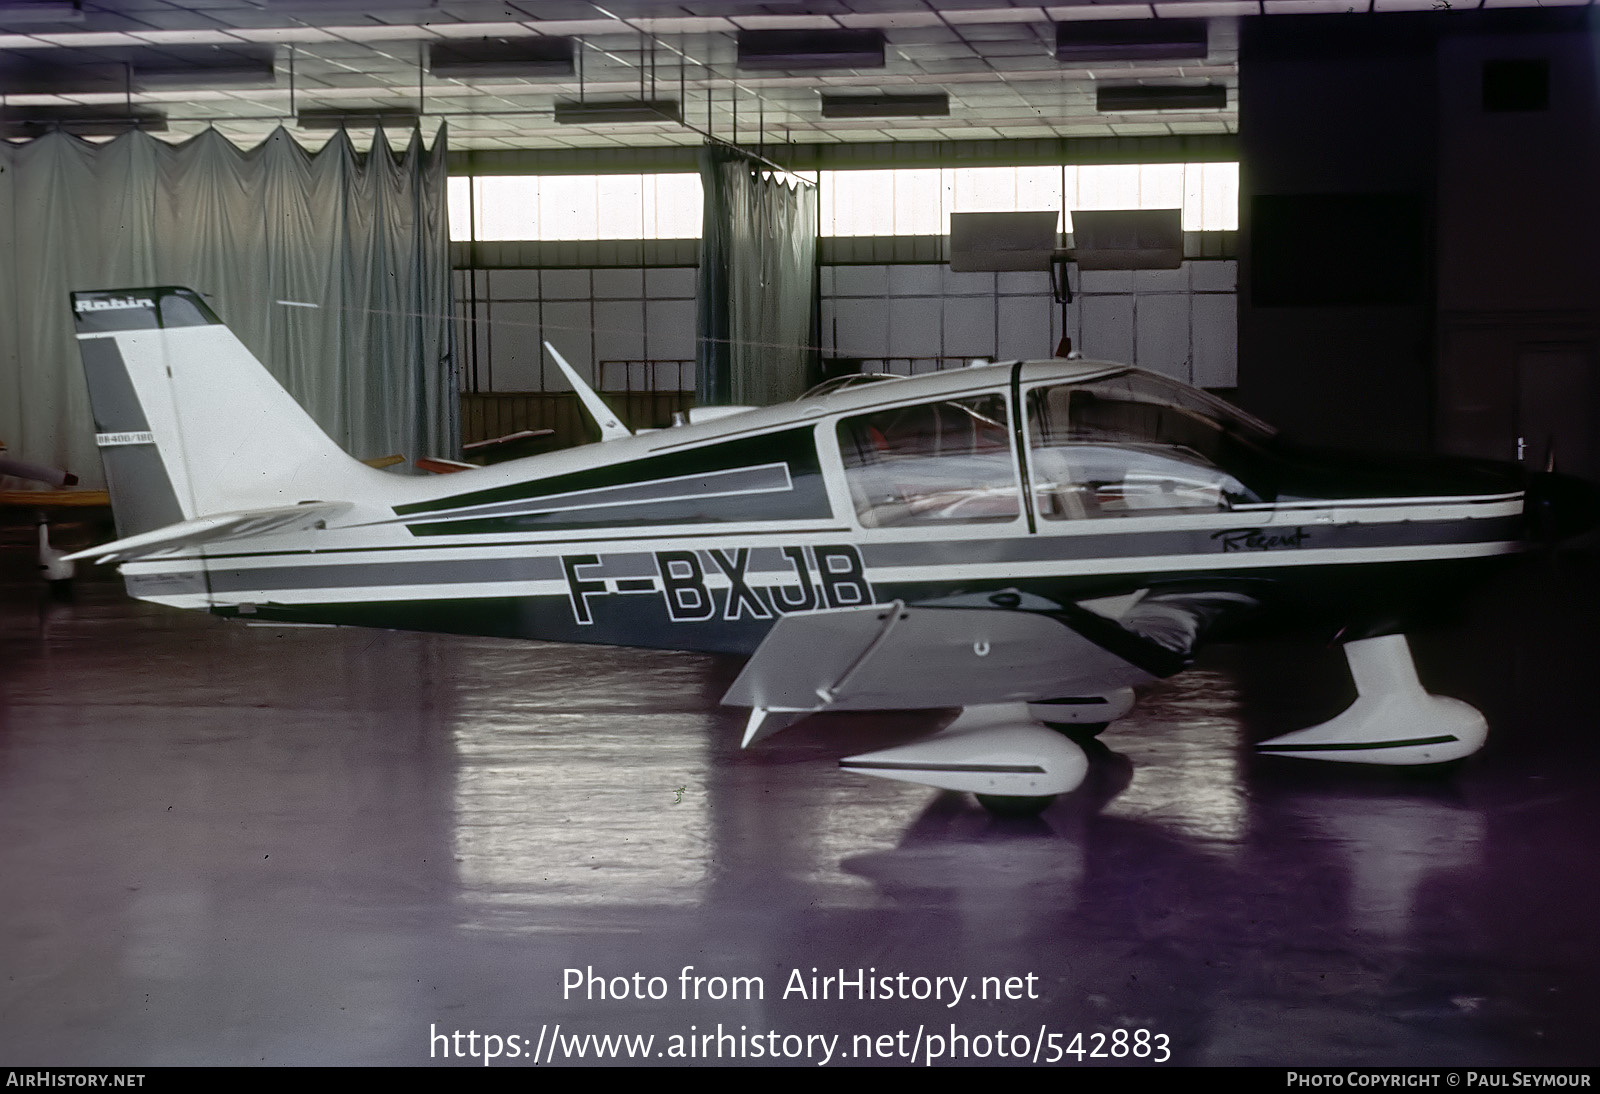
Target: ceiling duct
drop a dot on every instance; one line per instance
(1114, 100)
(886, 106)
(357, 119)
(41, 11)
(139, 68)
(616, 111)
(509, 57)
(1094, 41)
(205, 66)
(787, 49)
(81, 121)
(318, 7)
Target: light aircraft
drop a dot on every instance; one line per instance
(1027, 541)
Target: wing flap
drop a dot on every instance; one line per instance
(893, 657)
(217, 528)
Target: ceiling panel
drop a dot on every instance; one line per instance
(993, 57)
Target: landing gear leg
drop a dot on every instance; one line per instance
(1393, 720)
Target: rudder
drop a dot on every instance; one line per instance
(189, 423)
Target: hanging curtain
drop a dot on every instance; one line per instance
(362, 237)
(758, 297)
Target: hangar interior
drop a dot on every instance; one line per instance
(241, 844)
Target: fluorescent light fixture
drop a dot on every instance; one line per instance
(1092, 42)
(788, 49)
(614, 111)
(501, 57)
(1117, 100)
(357, 119)
(886, 106)
(41, 11)
(82, 121)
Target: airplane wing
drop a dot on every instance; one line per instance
(893, 657)
(217, 528)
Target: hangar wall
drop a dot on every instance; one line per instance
(633, 328)
(623, 310)
(1437, 180)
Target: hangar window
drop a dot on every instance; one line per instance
(571, 207)
(902, 201)
(935, 463)
(920, 201)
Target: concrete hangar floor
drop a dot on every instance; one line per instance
(224, 845)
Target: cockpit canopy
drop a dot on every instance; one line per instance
(1124, 444)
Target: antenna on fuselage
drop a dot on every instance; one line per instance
(611, 426)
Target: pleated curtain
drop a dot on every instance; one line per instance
(332, 266)
(757, 307)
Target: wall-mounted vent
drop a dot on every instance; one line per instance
(1127, 239)
(786, 49)
(1002, 241)
(1096, 41)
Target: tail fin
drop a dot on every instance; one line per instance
(189, 423)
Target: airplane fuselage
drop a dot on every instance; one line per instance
(699, 537)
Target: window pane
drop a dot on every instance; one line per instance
(508, 207)
(459, 202)
(621, 207)
(679, 206)
(1108, 186)
(1220, 195)
(917, 203)
(1161, 186)
(568, 207)
(863, 202)
(1132, 444)
(565, 207)
(938, 463)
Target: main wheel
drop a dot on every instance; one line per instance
(1015, 805)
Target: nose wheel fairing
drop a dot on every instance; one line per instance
(1393, 721)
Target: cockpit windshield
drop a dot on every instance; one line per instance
(1133, 443)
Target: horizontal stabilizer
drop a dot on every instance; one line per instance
(891, 657)
(220, 527)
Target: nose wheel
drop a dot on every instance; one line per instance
(1003, 805)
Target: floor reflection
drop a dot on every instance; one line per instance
(268, 844)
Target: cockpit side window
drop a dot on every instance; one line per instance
(947, 462)
(1109, 449)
